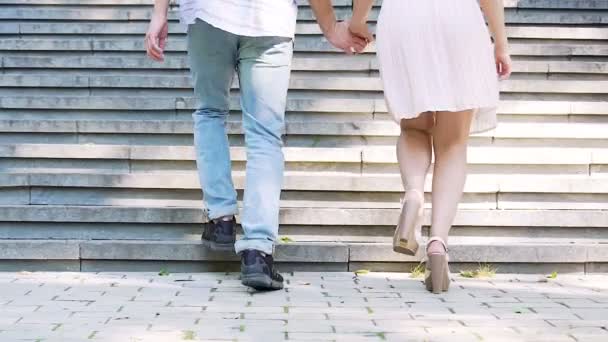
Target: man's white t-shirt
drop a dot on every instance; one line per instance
(253, 18)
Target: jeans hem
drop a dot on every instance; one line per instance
(223, 212)
(263, 246)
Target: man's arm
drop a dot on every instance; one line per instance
(337, 33)
(158, 31)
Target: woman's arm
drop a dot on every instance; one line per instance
(361, 9)
(494, 12)
(495, 15)
(358, 24)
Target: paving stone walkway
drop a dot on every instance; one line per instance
(313, 307)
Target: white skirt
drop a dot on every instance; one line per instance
(436, 55)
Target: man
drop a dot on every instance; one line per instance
(253, 38)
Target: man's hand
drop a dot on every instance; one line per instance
(340, 36)
(156, 37)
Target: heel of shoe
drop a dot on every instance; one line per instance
(439, 280)
(410, 244)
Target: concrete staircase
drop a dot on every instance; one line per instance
(97, 169)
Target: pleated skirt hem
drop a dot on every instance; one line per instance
(484, 118)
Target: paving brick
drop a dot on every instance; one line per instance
(583, 303)
(404, 325)
(588, 333)
(112, 307)
(333, 337)
(286, 316)
(309, 326)
(591, 314)
(483, 322)
(579, 323)
(544, 335)
(453, 334)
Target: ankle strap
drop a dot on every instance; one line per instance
(437, 238)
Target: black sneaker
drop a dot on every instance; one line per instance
(220, 235)
(257, 271)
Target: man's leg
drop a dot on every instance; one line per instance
(213, 57)
(264, 69)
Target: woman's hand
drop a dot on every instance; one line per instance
(503, 63)
(361, 29)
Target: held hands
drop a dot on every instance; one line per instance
(341, 37)
(156, 37)
(503, 63)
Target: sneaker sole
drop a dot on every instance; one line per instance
(261, 282)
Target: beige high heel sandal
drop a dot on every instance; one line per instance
(437, 276)
(413, 233)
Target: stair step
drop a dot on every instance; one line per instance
(522, 132)
(477, 155)
(297, 82)
(496, 251)
(521, 15)
(303, 216)
(299, 199)
(318, 130)
(301, 62)
(295, 103)
(502, 251)
(303, 44)
(185, 168)
(139, 28)
(310, 191)
(312, 181)
(300, 232)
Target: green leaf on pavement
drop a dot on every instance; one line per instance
(418, 271)
(361, 272)
(467, 274)
(189, 335)
(286, 239)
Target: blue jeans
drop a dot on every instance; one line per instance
(263, 65)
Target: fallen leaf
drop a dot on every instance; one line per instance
(361, 272)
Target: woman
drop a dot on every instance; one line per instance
(440, 73)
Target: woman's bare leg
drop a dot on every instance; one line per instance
(450, 138)
(414, 152)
